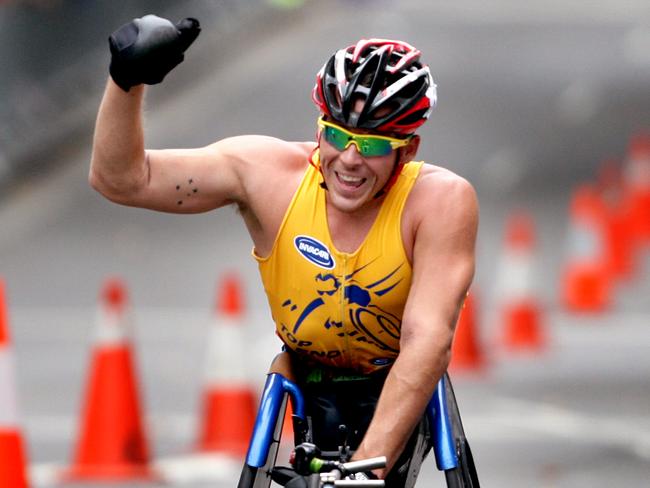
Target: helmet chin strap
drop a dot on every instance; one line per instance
(397, 169)
(314, 160)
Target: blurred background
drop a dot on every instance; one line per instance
(543, 106)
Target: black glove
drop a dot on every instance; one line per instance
(146, 49)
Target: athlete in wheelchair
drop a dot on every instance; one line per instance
(366, 254)
(368, 271)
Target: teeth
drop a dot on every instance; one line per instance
(350, 179)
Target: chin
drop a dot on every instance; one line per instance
(348, 205)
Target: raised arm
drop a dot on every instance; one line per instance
(172, 180)
(443, 267)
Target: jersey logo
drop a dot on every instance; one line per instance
(314, 251)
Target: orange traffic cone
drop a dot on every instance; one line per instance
(466, 353)
(287, 427)
(12, 455)
(637, 181)
(618, 236)
(229, 401)
(520, 310)
(586, 285)
(112, 444)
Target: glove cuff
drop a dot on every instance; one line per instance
(119, 76)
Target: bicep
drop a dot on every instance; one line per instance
(202, 179)
(187, 180)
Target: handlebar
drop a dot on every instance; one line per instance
(332, 472)
(365, 464)
(333, 477)
(306, 460)
(361, 483)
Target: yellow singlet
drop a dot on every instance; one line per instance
(340, 309)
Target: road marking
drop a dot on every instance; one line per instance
(184, 469)
(176, 471)
(509, 419)
(198, 468)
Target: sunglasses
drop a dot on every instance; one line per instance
(368, 145)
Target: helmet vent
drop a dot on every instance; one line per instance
(414, 117)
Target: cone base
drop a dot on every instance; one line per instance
(469, 364)
(522, 328)
(466, 351)
(12, 465)
(621, 248)
(641, 216)
(115, 473)
(466, 355)
(586, 289)
(229, 418)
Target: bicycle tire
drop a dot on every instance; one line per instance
(465, 475)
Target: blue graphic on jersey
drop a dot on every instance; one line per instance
(368, 319)
(381, 361)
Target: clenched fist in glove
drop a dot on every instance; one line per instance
(146, 49)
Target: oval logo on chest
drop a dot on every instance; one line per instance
(314, 251)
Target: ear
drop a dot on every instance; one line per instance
(407, 153)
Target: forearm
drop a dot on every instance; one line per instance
(118, 157)
(406, 393)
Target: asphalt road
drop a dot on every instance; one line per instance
(573, 415)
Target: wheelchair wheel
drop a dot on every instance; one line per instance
(465, 475)
(252, 477)
(249, 476)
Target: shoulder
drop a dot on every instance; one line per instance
(262, 163)
(439, 189)
(441, 204)
(262, 151)
(268, 171)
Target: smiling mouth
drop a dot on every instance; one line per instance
(350, 181)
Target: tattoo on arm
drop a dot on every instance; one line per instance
(189, 192)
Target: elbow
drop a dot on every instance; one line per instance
(94, 180)
(119, 189)
(102, 185)
(440, 352)
(429, 349)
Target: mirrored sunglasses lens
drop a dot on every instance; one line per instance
(370, 146)
(367, 145)
(336, 138)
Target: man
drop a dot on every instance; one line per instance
(365, 255)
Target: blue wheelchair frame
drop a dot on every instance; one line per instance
(273, 405)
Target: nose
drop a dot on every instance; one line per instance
(350, 155)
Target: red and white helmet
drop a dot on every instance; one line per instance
(377, 84)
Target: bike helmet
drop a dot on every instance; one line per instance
(397, 90)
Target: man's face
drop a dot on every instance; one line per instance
(353, 180)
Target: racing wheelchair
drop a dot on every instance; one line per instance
(451, 449)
